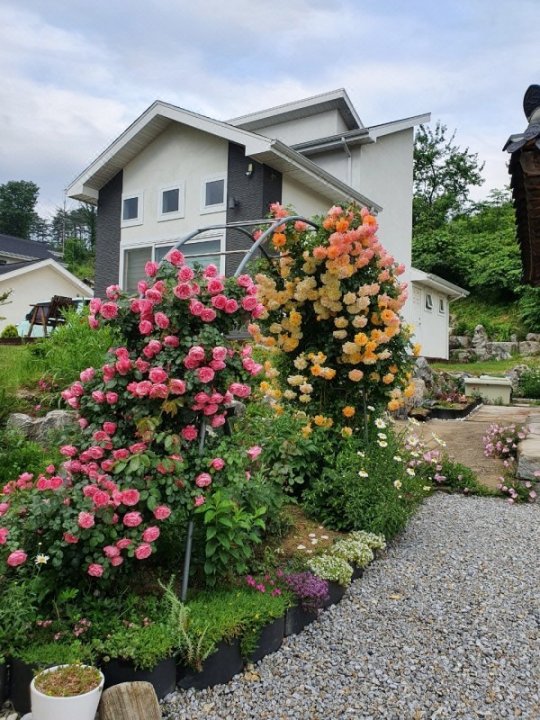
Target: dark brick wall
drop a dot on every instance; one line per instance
(253, 195)
(108, 235)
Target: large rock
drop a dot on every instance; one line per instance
(533, 337)
(479, 342)
(514, 375)
(459, 342)
(462, 356)
(501, 350)
(529, 457)
(40, 428)
(529, 347)
(422, 371)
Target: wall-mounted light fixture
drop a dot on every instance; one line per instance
(249, 171)
(233, 202)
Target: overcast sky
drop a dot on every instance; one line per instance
(74, 74)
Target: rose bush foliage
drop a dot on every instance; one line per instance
(139, 457)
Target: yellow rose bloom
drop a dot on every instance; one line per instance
(349, 298)
(341, 322)
(319, 420)
(306, 430)
(360, 338)
(394, 405)
(346, 432)
(388, 378)
(329, 373)
(356, 375)
(339, 334)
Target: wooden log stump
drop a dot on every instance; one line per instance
(130, 701)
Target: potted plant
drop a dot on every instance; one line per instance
(65, 692)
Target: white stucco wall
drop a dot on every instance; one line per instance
(32, 287)
(180, 155)
(304, 129)
(303, 199)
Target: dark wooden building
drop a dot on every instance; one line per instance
(524, 169)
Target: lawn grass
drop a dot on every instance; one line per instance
(486, 367)
(15, 369)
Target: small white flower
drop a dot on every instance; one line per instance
(379, 422)
(41, 559)
(370, 408)
(382, 443)
(361, 454)
(397, 458)
(363, 473)
(397, 484)
(382, 436)
(411, 472)
(415, 454)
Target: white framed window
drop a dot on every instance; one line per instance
(171, 203)
(132, 209)
(442, 306)
(429, 302)
(213, 194)
(134, 260)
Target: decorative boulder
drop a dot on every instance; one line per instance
(529, 347)
(422, 371)
(479, 342)
(40, 428)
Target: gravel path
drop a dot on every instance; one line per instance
(446, 626)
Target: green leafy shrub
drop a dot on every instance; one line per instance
(529, 383)
(9, 332)
(18, 455)
(529, 309)
(331, 567)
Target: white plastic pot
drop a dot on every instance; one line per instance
(78, 707)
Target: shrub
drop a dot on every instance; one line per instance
(18, 455)
(529, 309)
(529, 383)
(10, 331)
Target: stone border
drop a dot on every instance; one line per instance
(528, 453)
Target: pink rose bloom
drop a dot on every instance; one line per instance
(211, 409)
(111, 551)
(216, 398)
(219, 352)
(254, 452)
(217, 365)
(210, 271)
(86, 520)
(151, 534)
(71, 539)
(132, 519)
(240, 390)
(98, 396)
(4, 532)
(143, 551)
(157, 375)
(83, 423)
(101, 498)
(123, 543)
(87, 375)
(116, 561)
(182, 291)
(199, 500)
(94, 305)
(171, 341)
(109, 427)
(137, 448)
(123, 366)
(162, 512)
(249, 303)
(107, 465)
(95, 452)
(159, 391)
(16, 558)
(68, 450)
(244, 281)
(143, 388)
(4, 507)
(92, 322)
(196, 307)
(145, 327)
(56, 482)
(142, 365)
(151, 268)
(214, 286)
(113, 292)
(190, 363)
(100, 436)
(161, 320)
(109, 310)
(121, 454)
(197, 353)
(219, 302)
(190, 433)
(231, 306)
(205, 374)
(203, 480)
(111, 398)
(109, 371)
(177, 387)
(175, 257)
(218, 421)
(142, 287)
(154, 295)
(218, 463)
(208, 315)
(130, 496)
(95, 570)
(185, 274)
(259, 311)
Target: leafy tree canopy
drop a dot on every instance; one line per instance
(18, 200)
(443, 176)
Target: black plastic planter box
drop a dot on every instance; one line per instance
(3, 682)
(442, 413)
(297, 619)
(21, 675)
(217, 669)
(357, 572)
(162, 677)
(335, 593)
(270, 639)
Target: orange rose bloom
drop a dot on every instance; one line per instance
(356, 375)
(279, 240)
(348, 411)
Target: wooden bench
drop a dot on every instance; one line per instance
(50, 314)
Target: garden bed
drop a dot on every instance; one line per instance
(454, 411)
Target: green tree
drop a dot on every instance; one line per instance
(18, 200)
(443, 176)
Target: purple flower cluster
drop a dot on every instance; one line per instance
(311, 590)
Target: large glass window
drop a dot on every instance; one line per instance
(134, 262)
(213, 194)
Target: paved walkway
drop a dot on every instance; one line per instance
(464, 441)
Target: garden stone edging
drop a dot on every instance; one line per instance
(528, 453)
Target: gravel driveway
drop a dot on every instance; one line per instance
(446, 626)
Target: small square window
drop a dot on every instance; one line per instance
(132, 209)
(213, 194)
(170, 201)
(429, 302)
